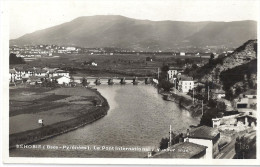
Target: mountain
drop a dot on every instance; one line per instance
(119, 31)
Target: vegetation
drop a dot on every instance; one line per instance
(13, 59)
(176, 138)
(245, 147)
(163, 80)
(242, 74)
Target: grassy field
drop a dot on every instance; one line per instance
(114, 65)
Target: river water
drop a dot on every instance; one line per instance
(138, 118)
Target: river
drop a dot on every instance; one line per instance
(138, 117)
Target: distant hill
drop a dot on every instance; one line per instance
(119, 31)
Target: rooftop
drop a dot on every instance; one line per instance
(204, 132)
(184, 78)
(184, 150)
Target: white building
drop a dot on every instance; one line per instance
(174, 71)
(62, 80)
(70, 48)
(182, 53)
(205, 136)
(60, 73)
(12, 75)
(185, 83)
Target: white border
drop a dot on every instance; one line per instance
(4, 34)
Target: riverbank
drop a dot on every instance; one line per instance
(83, 117)
(185, 103)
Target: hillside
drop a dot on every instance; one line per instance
(119, 31)
(236, 71)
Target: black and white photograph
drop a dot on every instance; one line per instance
(130, 82)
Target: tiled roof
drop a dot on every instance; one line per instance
(184, 150)
(250, 116)
(184, 78)
(204, 132)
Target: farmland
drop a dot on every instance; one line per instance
(114, 65)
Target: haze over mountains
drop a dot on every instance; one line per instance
(120, 31)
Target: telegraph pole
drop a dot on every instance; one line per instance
(158, 74)
(175, 84)
(193, 96)
(202, 108)
(208, 93)
(170, 142)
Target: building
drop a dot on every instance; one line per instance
(205, 136)
(185, 83)
(12, 75)
(77, 80)
(182, 53)
(247, 120)
(217, 93)
(183, 150)
(242, 103)
(59, 73)
(172, 72)
(251, 93)
(62, 80)
(33, 80)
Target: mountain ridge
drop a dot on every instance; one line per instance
(124, 32)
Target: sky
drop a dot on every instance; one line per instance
(26, 16)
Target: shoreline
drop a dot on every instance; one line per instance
(49, 131)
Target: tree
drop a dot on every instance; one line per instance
(13, 59)
(165, 68)
(207, 116)
(164, 143)
(166, 85)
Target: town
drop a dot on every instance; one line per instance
(227, 119)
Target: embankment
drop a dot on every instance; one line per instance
(187, 104)
(31, 136)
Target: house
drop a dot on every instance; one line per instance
(33, 80)
(12, 75)
(174, 71)
(60, 73)
(77, 80)
(185, 83)
(247, 120)
(182, 53)
(205, 136)
(251, 93)
(62, 80)
(241, 103)
(183, 150)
